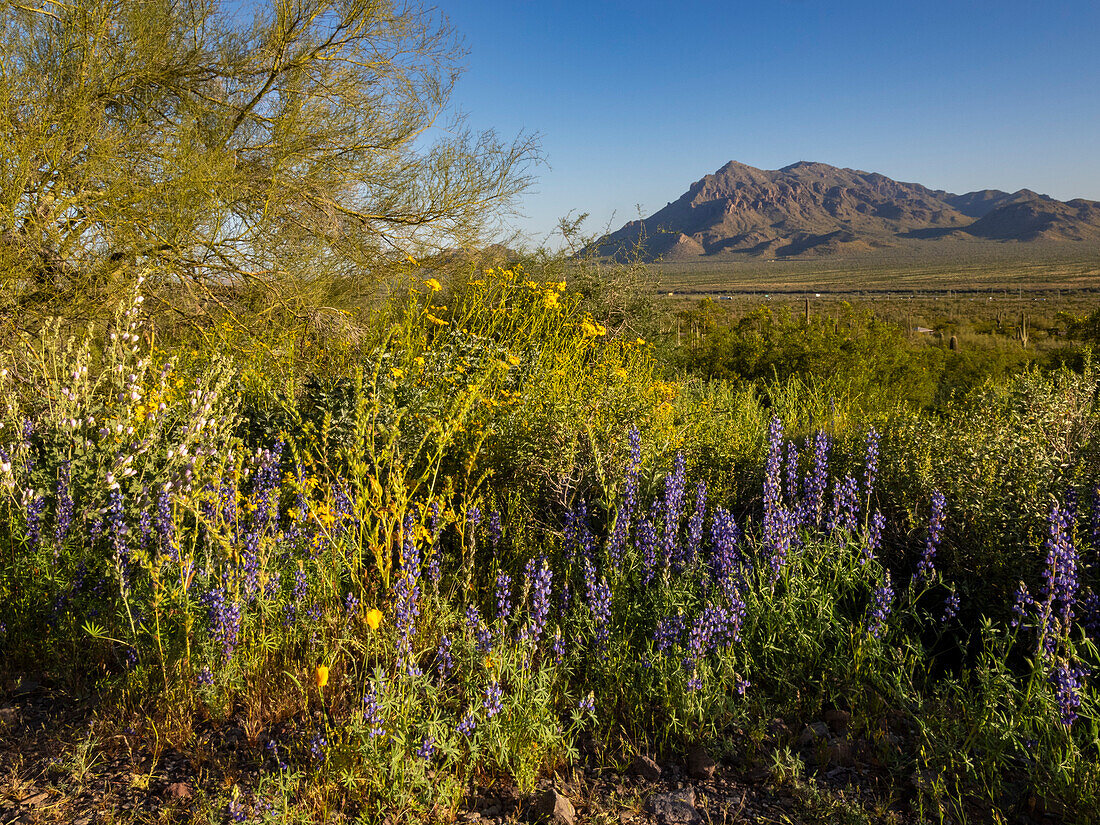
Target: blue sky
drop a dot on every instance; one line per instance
(636, 100)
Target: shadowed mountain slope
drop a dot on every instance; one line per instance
(812, 209)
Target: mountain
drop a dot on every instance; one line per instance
(814, 209)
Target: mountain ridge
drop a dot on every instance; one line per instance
(809, 208)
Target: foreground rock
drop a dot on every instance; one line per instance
(553, 807)
(676, 808)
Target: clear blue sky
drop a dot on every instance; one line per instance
(636, 100)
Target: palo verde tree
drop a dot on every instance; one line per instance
(297, 146)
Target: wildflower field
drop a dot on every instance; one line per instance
(478, 536)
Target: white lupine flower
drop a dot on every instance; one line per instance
(129, 431)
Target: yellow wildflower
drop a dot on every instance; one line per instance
(435, 320)
(591, 329)
(397, 373)
(512, 359)
(550, 299)
(489, 663)
(374, 618)
(320, 676)
(433, 285)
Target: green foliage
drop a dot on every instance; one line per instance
(386, 508)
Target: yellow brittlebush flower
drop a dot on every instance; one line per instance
(433, 285)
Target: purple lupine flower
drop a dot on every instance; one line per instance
(558, 646)
(205, 677)
(235, 810)
(695, 526)
(444, 662)
(672, 506)
(695, 681)
(874, 536)
(116, 528)
(493, 701)
(540, 600)
(645, 540)
(583, 539)
(792, 472)
(406, 591)
(1060, 574)
(164, 526)
(64, 513)
(372, 713)
(725, 537)
(927, 564)
(473, 517)
(343, 508)
(1067, 681)
(1069, 504)
(435, 557)
(773, 489)
(587, 705)
(250, 564)
(484, 639)
(783, 531)
(668, 633)
(227, 508)
(715, 625)
(351, 605)
(870, 465)
(504, 597)
(224, 617)
(297, 595)
(845, 512)
(473, 619)
(145, 522)
(1094, 528)
(427, 748)
(317, 746)
(880, 606)
(496, 529)
(467, 724)
(599, 603)
(265, 498)
(817, 481)
(950, 606)
(36, 505)
(1021, 604)
(625, 514)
